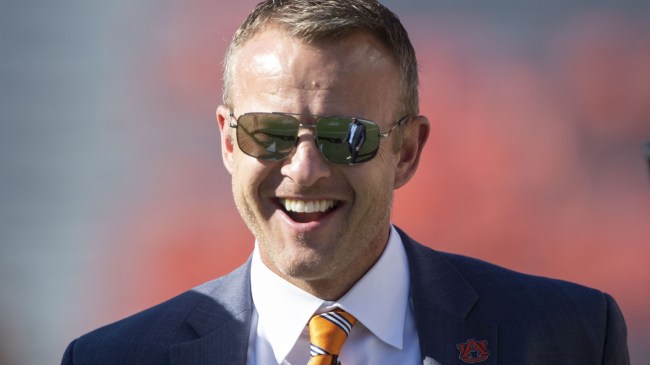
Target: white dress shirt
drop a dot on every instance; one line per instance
(385, 333)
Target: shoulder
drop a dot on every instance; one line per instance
(526, 308)
(515, 299)
(547, 311)
(500, 287)
(494, 281)
(491, 280)
(150, 333)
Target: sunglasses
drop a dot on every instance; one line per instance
(341, 140)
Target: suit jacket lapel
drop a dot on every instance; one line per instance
(222, 321)
(442, 302)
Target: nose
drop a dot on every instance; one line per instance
(306, 165)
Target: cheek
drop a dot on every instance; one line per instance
(380, 171)
(386, 156)
(250, 179)
(245, 188)
(245, 177)
(373, 182)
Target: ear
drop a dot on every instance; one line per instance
(414, 136)
(227, 148)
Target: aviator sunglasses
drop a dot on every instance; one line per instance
(341, 140)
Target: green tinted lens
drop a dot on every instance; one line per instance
(343, 142)
(267, 136)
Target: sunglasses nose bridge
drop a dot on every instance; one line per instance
(305, 164)
(307, 132)
(308, 126)
(311, 126)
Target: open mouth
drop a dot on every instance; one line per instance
(305, 211)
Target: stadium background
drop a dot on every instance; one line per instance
(114, 196)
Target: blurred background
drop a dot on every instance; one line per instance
(113, 196)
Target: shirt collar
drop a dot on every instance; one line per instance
(285, 309)
(386, 286)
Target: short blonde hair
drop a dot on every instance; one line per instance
(329, 20)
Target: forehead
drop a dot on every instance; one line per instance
(276, 66)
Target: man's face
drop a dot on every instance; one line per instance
(335, 246)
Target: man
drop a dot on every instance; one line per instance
(355, 138)
(296, 74)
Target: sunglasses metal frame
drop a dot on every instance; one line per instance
(401, 121)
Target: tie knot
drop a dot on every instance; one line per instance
(327, 333)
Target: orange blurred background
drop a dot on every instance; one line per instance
(539, 112)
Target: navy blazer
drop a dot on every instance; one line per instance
(467, 311)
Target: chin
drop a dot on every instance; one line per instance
(304, 267)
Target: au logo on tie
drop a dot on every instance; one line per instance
(473, 351)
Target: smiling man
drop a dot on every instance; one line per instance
(319, 225)
(330, 279)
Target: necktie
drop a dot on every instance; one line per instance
(327, 333)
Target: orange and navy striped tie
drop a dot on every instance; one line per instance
(327, 333)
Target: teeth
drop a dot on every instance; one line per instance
(307, 206)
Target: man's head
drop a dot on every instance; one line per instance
(319, 224)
